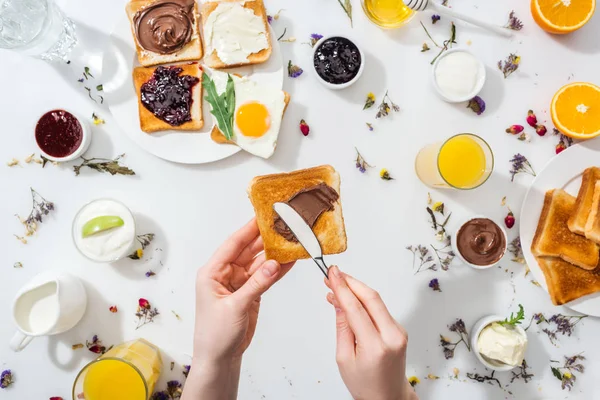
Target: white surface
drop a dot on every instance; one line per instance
(121, 98)
(563, 172)
(192, 209)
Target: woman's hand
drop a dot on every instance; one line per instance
(371, 345)
(228, 292)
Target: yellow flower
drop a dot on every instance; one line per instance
(97, 120)
(432, 377)
(139, 253)
(413, 380)
(438, 207)
(456, 372)
(371, 96)
(383, 172)
(567, 375)
(517, 60)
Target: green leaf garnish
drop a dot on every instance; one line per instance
(222, 105)
(101, 224)
(514, 320)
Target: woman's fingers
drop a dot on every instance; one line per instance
(355, 313)
(250, 251)
(231, 249)
(346, 342)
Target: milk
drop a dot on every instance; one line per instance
(36, 311)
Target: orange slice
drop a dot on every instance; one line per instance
(562, 16)
(575, 110)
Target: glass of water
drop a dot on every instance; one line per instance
(36, 28)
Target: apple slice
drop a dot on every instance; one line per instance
(101, 224)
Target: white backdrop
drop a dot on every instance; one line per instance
(192, 209)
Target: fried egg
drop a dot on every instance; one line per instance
(257, 116)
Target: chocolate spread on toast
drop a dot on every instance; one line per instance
(310, 203)
(165, 26)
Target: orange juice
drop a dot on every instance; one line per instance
(387, 13)
(462, 162)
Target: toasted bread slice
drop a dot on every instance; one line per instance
(211, 57)
(217, 136)
(567, 282)
(149, 122)
(592, 226)
(264, 191)
(583, 205)
(192, 51)
(553, 237)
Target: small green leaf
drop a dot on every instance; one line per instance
(515, 320)
(221, 105)
(556, 373)
(99, 88)
(101, 224)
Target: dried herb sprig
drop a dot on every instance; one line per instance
(144, 241)
(361, 163)
(40, 208)
(347, 6)
(514, 23)
(145, 313)
(566, 373)
(510, 65)
(384, 108)
(520, 164)
(424, 258)
(447, 43)
(522, 374)
(565, 324)
(448, 346)
(516, 250)
(113, 167)
(483, 379)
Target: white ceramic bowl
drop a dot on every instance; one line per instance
(454, 235)
(85, 140)
(476, 331)
(341, 85)
(479, 85)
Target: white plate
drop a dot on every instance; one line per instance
(193, 147)
(562, 172)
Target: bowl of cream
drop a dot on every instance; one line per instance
(458, 76)
(499, 347)
(104, 230)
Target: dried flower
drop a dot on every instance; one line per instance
(514, 23)
(477, 105)
(432, 377)
(541, 130)
(424, 258)
(13, 162)
(347, 7)
(448, 346)
(565, 324)
(369, 101)
(144, 240)
(314, 38)
(483, 379)
(510, 65)
(186, 370)
(385, 108)
(176, 315)
(113, 309)
(531, 119)
(6, 379)
(438, 207)
(447, 43)
(104, 165)
(77, 346)
(414, 381)
(56, 398)
(536, 283)
(565, 374)
(370, 126)
(435, 285)
(522, 374)
(560, 147)
(97, 120)
(361, 163)
(514, 129)
(520, 164)
(304, 128)
(18, 264)
(145, 313)
(294, 71)
(40, 208)
(456, 371)
(435, 18)
(509, 220)
(150, 273)
(95, 345)
(385, 175)
(424, 48)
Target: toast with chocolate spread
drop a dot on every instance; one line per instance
(315, 194)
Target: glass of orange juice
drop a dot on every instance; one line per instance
(128, 371)
(465, 161)
(387, 13)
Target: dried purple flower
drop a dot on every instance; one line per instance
(150, 273)
(269, 19)
(565, 373)
(435, 18)
(520, 164)
(370, 126)
(385, 107)
(510, 65)
(449, 347)
(145, 313)
(435, 285)
(514, 23)
(361, 163)
(522, 374)
(186, 370)
(477, 105)
(294, 71)
(6, 379)
(314, 38)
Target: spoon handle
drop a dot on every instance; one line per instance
(474, 21)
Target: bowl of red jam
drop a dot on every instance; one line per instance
(62, 136)
(338, 61)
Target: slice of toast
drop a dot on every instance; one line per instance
(567, 282)
(592, 226)
(211, 59)
(264, 191)
(192, 51)
(149, 122)
(583, 205)
(553, 237)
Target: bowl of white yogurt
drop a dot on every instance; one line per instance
(498, 347)
(458, 75)
(105, 245)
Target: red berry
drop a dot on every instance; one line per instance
(541, 130)
(531, 118)
(509, 220)
(560, 147)
(304, 128)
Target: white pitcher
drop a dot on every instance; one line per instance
(48, 305)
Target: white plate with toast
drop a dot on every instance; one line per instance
(187, 147)
(562, 172)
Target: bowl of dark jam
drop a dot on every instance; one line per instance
(62, 136)
(338, 61)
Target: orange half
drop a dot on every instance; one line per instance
(562, 16)
(575, 110)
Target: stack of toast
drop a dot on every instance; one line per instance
(566, 242)
(265, 191)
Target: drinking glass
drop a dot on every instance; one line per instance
(36, 28)
(387, 14)
(464, 161)
(128, 371)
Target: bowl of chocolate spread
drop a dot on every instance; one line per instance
(479, 242)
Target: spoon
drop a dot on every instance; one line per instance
(422, 5)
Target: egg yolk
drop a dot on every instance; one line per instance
(253, 119)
